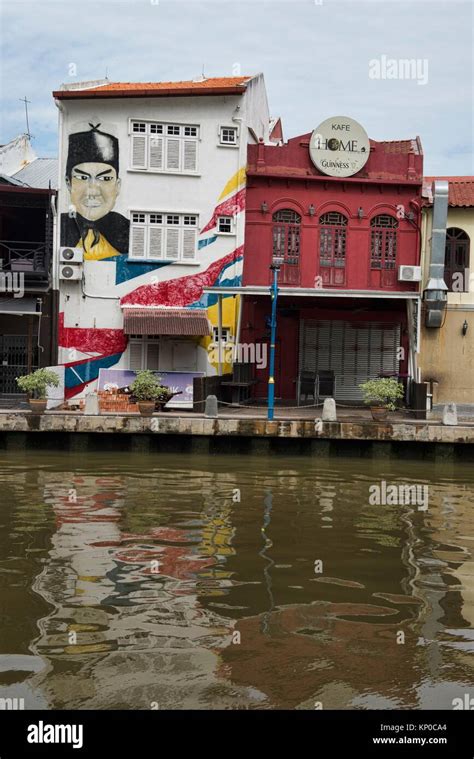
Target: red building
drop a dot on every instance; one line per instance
(347, 311)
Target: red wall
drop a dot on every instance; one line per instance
(284, 177)
(290, 312)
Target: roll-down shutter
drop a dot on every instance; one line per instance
(354, 352)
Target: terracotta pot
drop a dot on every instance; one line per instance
(38, 406)
(379, 413)
(146, 408)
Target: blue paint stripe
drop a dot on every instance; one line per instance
(206, 241)
(88, 371)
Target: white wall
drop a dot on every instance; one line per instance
(147, 191)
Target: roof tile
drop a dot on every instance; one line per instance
(142, 89)
(461, 190)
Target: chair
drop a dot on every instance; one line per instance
(325, 384)
(306, 385)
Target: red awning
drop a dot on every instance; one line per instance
(191, 322)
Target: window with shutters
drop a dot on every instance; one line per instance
(383, 242)
(286, 244)
(164, 147)
(143, 352)
(332, 248)
(163, 236)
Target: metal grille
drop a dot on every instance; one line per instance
(287, 216)
(14, 361)
(354, 352)
(334, 219)
(384, 221)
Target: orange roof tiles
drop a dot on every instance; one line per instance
(211, 86)
(461, 190)
(400, 146)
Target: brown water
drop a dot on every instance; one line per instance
(140, 581)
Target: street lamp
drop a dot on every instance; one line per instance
(275, 268)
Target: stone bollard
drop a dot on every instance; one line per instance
(211, 406)
(329, 410)
(450, 415)
(91, 405)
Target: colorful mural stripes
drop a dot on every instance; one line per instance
(110, 344)
(90, 340)
(234, 183)
(230, 207)
(126, 270)
(78, 374)
(181, 291)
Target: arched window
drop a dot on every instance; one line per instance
(456, 260)
(383, 242)
(332, 248)
(286, 235)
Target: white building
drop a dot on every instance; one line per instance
(152, 193)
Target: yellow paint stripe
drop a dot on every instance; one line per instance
(234, 183)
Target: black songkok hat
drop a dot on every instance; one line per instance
(93, 146)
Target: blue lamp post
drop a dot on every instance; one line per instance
(275, 267)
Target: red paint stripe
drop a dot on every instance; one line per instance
(102, 341)
(233, 205)
(181, 291)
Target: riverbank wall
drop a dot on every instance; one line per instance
(404, 439)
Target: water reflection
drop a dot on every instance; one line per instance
(132, 584)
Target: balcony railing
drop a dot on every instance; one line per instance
(30, 258)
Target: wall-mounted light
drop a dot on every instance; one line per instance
(465, 327)
(360, 213)
(311, 210)
(264, 207)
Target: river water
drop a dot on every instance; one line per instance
(209, 582)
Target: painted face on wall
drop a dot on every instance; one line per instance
(94, 188)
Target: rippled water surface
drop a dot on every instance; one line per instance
(185, 581)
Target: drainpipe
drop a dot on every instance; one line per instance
(435, 294)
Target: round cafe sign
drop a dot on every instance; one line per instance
(339, 147)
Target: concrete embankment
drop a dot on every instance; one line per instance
(404, 439)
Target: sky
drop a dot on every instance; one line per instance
(320, 58)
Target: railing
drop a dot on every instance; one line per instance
(30, 258)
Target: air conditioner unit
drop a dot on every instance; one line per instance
(71, 255)
(70, 273)
(409, 274)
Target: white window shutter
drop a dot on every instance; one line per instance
(137, 247)
(135, 349)
(172, 154)
(172, 244)
(156, 153)
(155, 246)
(153, 356)
(138, 151)
(189, 244)
(190, 155)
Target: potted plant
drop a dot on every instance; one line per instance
(148, 391)
(381, 395)
(36, 385)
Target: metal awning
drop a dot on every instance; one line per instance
(184, 322)
(304, 292)
(20, 306)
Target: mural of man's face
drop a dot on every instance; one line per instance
(94, 188)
